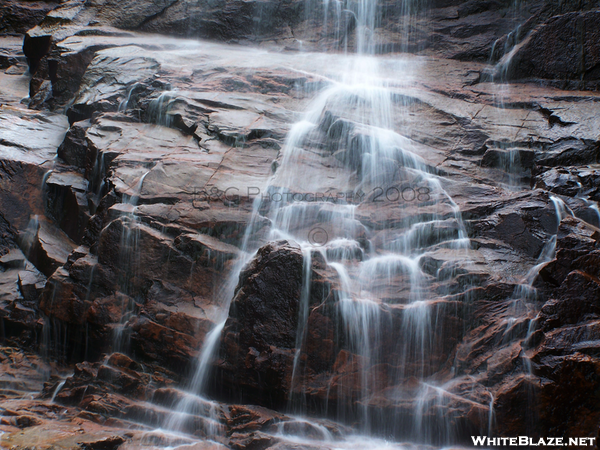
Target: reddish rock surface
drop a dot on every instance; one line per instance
(118, 227)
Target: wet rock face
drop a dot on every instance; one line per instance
(228, 21)
(567, 341)
(121, 242)
(565, 48)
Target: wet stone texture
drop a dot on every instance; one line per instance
(129, 164)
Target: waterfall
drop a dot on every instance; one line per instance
(355, 192)
(349, 156)
(302, 317)
(414, 269)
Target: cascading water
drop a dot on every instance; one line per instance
(343, 158)
(192, 406)
(159, 108)
(515, 174)
(525, 289)
(57, 390)
(129, 258)
(522, 304)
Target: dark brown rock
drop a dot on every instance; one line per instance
(569, 152)
(46, 246)
(19, 16)
(513, 229)
(32, 138)
(576, 249)
(20, 287)
(575, 301)
(165, 345)
(245, 419)
(109, 443)
(206, 250)
(251, 441)
(67, 204)
(74, 150)
(515, 401)
(565, 48)
(259, 337)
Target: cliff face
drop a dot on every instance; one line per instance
(130, 166)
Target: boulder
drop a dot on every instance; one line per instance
(259, 338)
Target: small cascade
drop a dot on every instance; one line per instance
(134, 196)
(594, 211)
(44, 185)
(431, 397)
(54, 339)
(131, 92)
(28, 238)
(193, 406)
(308, 435)
(525, 289)
(503, 48)
(303, 429)
(523, 300)
(525, 293)
(57, 390)
(360, 317)
(97, 186)
(159, 109)
(302, 318)
(205, 357)
(88, 295)
(491, 417)
(530, 331)
(357, 26)
(193, 411)
(129, 256)
(516, 173)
